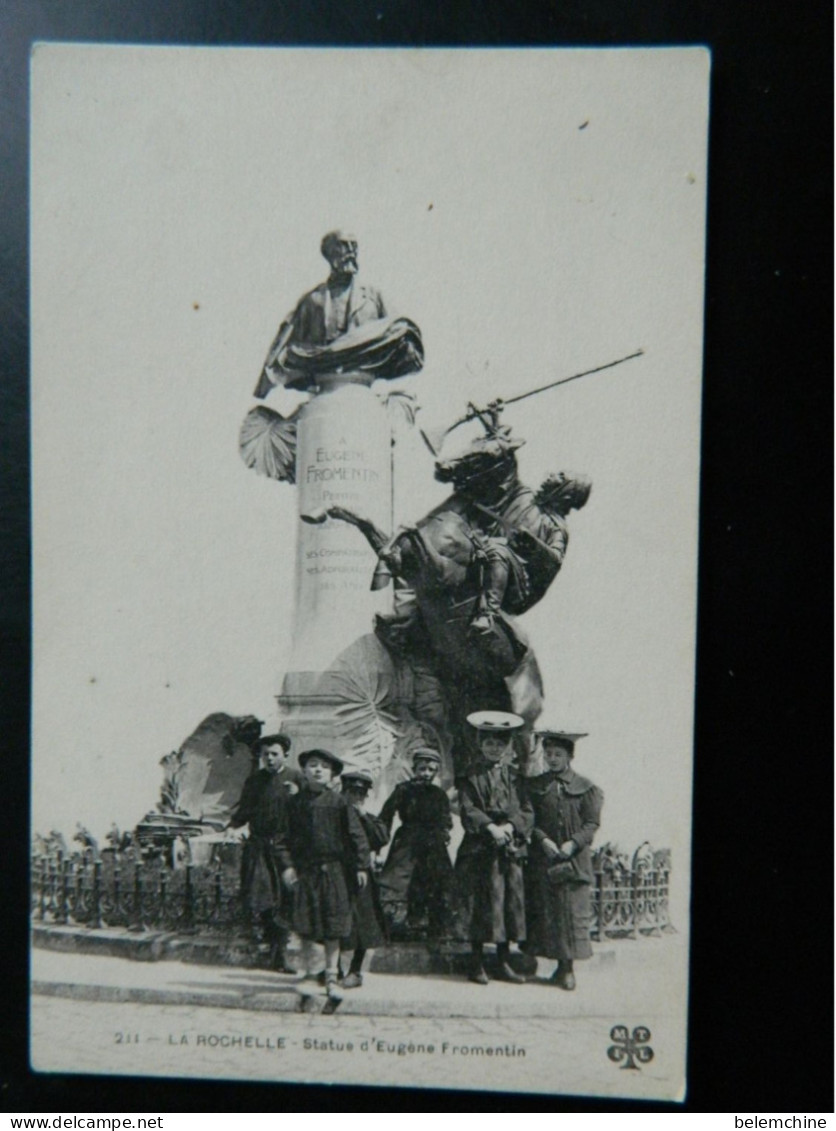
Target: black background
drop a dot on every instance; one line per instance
(761, 983)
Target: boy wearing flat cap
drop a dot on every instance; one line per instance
(559, 877)
(324, 858)
(367, 922)
(415, 885)
(263, 806)
(497, 819)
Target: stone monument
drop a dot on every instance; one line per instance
(337, 449)
(370, 680)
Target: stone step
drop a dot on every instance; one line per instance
(447, 956)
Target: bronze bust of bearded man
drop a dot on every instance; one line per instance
(340, 331)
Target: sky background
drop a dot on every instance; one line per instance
(535, 212)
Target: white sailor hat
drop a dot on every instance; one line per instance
(495, 722)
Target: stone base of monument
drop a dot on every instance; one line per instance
(447, 956)
(153, 946)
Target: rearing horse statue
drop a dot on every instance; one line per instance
(463, 572)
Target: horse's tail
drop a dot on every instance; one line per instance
(525, 685)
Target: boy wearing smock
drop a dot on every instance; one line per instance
(325, 860)
(415, 885)
(367, 923)
(559, 876)
(498, 820)
(263, 806)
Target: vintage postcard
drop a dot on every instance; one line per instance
(366, 416)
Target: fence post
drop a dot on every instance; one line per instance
(597, 901)
(138, 923)
(95, 922)
(54, 871)
(163, 898)
(42, 869)
(78, 900)
(663, 890)
(216, 911)
(634, 898)
(63, 914)
(188, 900)
(654, 888)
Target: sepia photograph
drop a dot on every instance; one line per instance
(366, 394)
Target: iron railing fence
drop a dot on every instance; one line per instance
(630, 896)
(631, 893)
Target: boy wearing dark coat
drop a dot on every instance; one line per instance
(324, 858)
(559, 877)
(263, 806)
(497, 819)
(367, 923)
(415, 885)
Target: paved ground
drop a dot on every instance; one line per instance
(113, 1015)
(619, 972)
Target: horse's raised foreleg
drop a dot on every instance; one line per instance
(373, 534)
(389, 563)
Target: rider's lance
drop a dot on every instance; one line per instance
(434, 438)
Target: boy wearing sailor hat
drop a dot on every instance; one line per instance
(497, 820)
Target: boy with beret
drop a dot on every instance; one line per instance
(324, 857)
(498, 820)
(263, 806)
(415, 885)
(559, 878)
(367, 923)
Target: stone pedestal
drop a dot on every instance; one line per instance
(344, 456)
